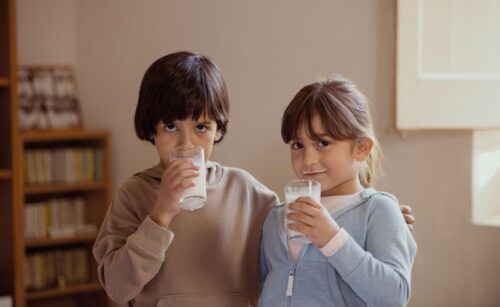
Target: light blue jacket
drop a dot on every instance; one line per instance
(372, 269)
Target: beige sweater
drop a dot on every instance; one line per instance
(213, 259)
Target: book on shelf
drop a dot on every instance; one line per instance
(62, 165)
(56, 218)
(56, 268)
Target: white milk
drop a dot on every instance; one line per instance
(195, 197)
(300, 188)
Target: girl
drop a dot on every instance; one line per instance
(362, 251)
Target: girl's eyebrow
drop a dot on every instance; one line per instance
(322, 134)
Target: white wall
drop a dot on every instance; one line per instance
(46, 32)
(267, 50)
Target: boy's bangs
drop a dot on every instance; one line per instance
(193, 108)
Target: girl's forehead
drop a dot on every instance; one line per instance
(312, 126)
(313, 133)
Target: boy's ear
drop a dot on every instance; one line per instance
(218, 135)
(362, 148)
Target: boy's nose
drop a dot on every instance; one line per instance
(186, 140)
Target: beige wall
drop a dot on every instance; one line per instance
(267, 50)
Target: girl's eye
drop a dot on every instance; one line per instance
(201, 128)
(296, 146)
(323, 143)
(169, 128)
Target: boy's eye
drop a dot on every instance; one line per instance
(169, 128)
(201, 128)
(323, 143)
(296, 145)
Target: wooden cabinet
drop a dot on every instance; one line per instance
(54, 191)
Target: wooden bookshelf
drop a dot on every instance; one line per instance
(4, 82)
(63, 291)
(46, 242)
(5, 174)
(18, 196)
(64, 187)
(96, 194)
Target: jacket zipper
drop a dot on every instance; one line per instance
(291, 277)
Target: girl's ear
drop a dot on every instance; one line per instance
(362, 148)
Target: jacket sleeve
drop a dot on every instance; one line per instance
(263, 269)
(381, 274)
(129, 252)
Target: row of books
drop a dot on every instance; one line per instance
(56, 268)
(62, 165)
(58, 217)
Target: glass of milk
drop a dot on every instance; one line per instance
(293, 190)
(194, 197)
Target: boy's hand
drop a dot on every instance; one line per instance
(176, 178)
(313, 220)
(409, 218)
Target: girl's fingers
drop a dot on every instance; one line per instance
(301, 218)
(308, 200)
(304, 207)
(302, 228)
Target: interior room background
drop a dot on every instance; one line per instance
(267, 50)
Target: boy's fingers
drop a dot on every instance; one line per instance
(405, 209)
(409, 219)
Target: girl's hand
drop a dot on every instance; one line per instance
(176, 178)
(313, 220)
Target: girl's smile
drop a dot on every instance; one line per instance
(312, 174)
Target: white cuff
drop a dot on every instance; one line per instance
(335, 243)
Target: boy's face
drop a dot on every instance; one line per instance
(331, 162)
(201, 132)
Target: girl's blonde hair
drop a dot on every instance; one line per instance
(344, 113)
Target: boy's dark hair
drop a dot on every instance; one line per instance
(177, 86)
(343, 111)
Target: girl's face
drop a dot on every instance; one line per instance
(335, 164)
(201, 132)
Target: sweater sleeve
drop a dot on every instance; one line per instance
(129, 252)
(381, 274)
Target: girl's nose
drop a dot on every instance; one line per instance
(310, 156)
